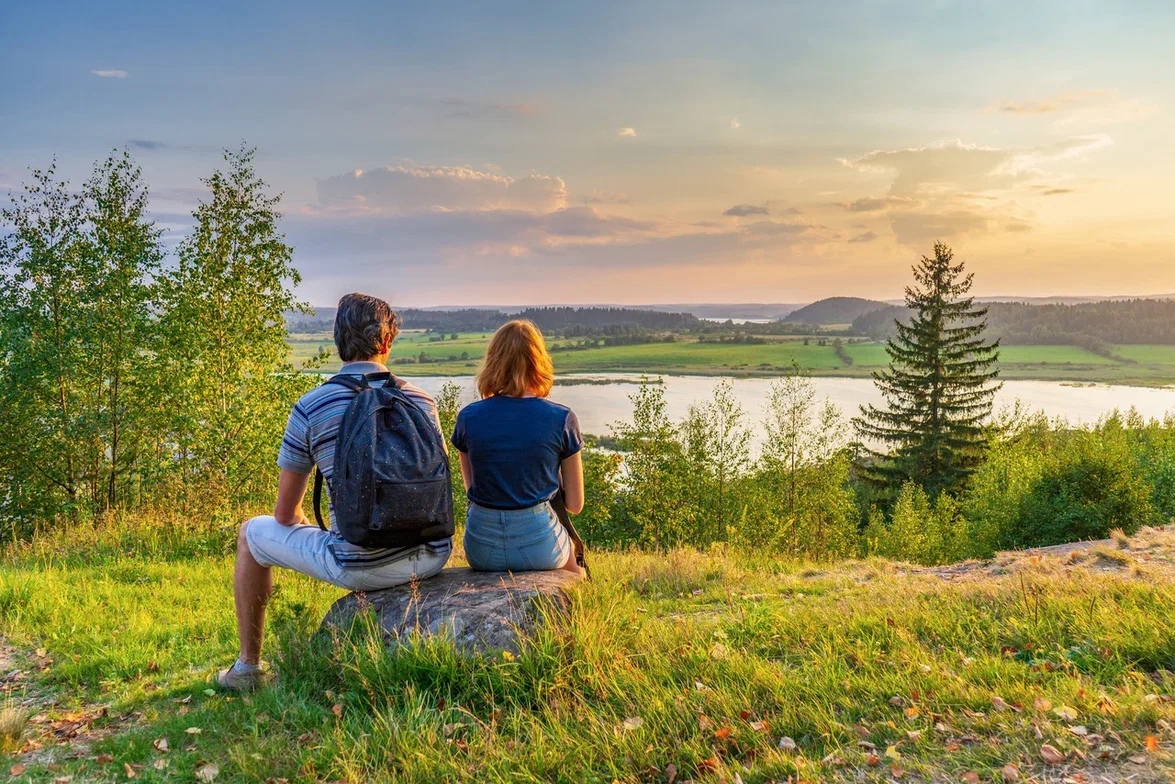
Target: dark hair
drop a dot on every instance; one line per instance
(362, 324)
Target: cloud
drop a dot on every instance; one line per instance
(109, 74)
(769, 227)
(1085, 107)
(865, 237)
(409, 189)
(626, 133)
(876, 203)
(605, 197)
(735, 124)
(1056, 191)
(744, 210)
(969, 167)
(146, 144)
(471, 109)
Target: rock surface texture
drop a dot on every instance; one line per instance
(483, 612)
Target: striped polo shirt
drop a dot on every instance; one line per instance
(309, 442)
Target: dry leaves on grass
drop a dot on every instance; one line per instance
(1051, 755)
(160, 744)
(206, 771)
(787, 744)
(632, 723)
(1010, 772)
(1152, 744)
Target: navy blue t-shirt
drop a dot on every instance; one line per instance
(515, 445)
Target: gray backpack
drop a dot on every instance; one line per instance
(390, 481)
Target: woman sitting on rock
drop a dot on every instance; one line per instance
(517, 450)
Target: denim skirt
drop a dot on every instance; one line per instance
(515, 540)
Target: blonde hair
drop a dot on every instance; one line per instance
(516, 363)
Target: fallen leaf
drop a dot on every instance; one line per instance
(1152, 744)
(1065, 713)
(632, 722)
(160, 744)
(1079, 731)
(970, 777)
(63, 780)
(914, 735)
(16, 770)
(337, 710)
(207, 772)
(896, 772)
(912, 713)
(193, 730)
(670, 773)
(892, 753)
(210, 692)
(760, 726)
(1010, 772)
(160, 764)
(897, 702)
(723, 734)
(872, 760)
(104, 759)
(708, 764)
(999, 704)
(787, 744)
(130, 772)
(1042, 705)
(744, 714)
(451, 728)
(1051, 755)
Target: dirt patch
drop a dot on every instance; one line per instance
(1149, 553)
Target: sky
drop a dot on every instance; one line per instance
(634, 152)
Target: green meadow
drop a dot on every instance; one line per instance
(717, 666)
(1145, 365)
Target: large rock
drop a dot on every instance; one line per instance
(483, 612)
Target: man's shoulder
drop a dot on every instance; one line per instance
(417, 395)
(322, 393)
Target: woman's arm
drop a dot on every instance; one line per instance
(571, 471)
(466, 470)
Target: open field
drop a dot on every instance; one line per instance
(699, 663)
(1150, 365)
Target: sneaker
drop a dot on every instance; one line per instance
(232, 680)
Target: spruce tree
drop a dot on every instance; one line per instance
(939, 385)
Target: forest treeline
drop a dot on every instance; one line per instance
(1089, 325)
(562, 321)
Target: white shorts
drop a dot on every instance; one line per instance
(307, 549)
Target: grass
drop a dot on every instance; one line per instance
(699, 661)
(1148, 365)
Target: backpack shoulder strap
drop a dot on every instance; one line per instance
(318, 499)
(351, 382)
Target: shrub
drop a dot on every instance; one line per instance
(1087, 488)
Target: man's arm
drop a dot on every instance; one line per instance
(291, 489)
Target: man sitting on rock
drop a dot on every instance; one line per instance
(364, 330)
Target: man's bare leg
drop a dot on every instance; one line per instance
(252, 585)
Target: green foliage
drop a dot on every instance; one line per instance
(448, 404)
(128, 382)
(1086, 489)
(920, 530)
(75, 271)
(938, 389)
(229, 387)
(802, 501)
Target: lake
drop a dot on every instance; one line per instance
(599, 405)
